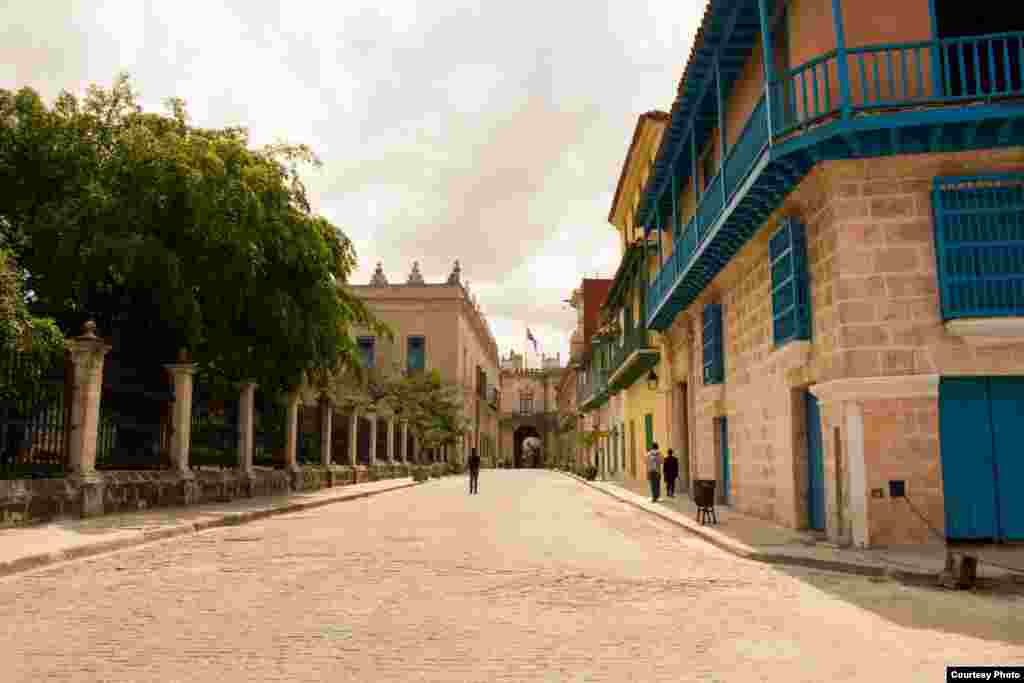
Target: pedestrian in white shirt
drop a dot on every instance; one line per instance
(654, 471)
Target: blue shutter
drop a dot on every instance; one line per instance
(979, 245)
(366, 348)
(416, 354)
(791, 298)
(714, 365)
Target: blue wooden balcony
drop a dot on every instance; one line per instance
(872, 101)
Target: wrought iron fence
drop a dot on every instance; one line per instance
(33, 417)
(214, 431)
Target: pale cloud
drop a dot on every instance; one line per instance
(491, 132)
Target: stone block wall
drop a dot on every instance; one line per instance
(876, 313)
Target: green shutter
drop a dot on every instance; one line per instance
(791, 299)
(714, 363)
(649, 430)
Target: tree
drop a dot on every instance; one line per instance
(36, 341)
(175, 236)
(431, 407)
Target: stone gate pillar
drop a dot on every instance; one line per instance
(246, 402)
(353, 440)
(373, 438)
(181, 435)
(326, 415)
(391, 441)
(87, 357)
(291, 443)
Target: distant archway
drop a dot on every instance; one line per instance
(519, 459)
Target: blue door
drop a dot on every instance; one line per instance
(1006, 397)
(815, 466)
(723, 436)
(981, 429)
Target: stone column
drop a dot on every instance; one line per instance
(373, 438)
(181, 434)
(391, 441)
(404, 446)
(246, 401)
(326, 416)
(87, 356)
(291, 430)
(353, 438)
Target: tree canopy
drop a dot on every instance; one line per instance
(175, 236)
(431, 406)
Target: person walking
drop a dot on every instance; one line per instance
(474, 472)
(671, 468)
(654, 471)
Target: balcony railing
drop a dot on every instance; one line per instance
(594, 389)
(637, 339)
(858, 80)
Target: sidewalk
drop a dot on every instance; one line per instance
(25, 548)
(764, 541)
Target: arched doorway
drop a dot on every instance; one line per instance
(519, 458)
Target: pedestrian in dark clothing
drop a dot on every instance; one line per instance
(671, 468)
(474, 472)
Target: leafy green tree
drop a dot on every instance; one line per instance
(175, 236)
(36, 342)
(431, 406)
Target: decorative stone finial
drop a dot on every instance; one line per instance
(89, 329)
(456, 275)
(379, 279)
(415, 277)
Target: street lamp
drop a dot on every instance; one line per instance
(652, 381)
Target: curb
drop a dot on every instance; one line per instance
(775, 558)
(30, 562)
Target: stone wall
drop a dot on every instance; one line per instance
(31, 501)
(876, 313)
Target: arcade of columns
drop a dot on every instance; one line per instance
(87, 355)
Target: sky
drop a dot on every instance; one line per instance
(490, 132)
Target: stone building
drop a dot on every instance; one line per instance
(438, 326)
(838, 279)
(596, 417)
(641, 404)
(529, 409)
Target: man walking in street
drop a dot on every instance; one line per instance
(474, 472)
(671, 468)
(654, 471)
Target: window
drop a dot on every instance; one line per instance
(366, 351)
(979, 244)
(791, 299)
(714, 364)
(526, 402)
(415, 354)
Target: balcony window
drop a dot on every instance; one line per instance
(979, 245)
(416, 355)
(791, 300)
(367, 346)
(714, 365)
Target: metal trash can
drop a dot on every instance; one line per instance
(704, 498)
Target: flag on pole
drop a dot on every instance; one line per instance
(529, 338)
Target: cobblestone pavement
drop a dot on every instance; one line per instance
(538, 578)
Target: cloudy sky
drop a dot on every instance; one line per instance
(492, 131)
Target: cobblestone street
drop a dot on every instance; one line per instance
(537, 578)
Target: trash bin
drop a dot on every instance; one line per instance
(704, 498)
